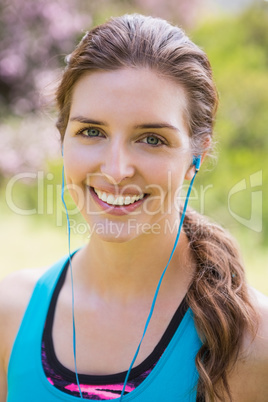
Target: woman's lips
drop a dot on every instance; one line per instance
(130, 203)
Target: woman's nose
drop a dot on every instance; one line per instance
(117, 163)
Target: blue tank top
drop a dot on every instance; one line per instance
(175, 371)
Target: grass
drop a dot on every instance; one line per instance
(26, 244)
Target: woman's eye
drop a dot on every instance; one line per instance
(152, 140)
(90, 132)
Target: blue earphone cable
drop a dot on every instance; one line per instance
(71, 270)
(197, 163)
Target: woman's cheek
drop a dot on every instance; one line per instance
(77, 166)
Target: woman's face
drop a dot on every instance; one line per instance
(127, 152)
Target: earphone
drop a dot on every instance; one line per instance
(71, 271)
(195, 162)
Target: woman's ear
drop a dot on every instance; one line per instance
(192, 168)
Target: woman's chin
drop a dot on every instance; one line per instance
(112, 232)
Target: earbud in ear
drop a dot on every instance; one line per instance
(197, 162)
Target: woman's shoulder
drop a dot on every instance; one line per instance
(259, 346)
(15, 293)
(248, 378)
(16, 288)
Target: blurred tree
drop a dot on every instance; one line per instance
(33, 37)
(36, 36)
(238, 50)
(182, 12)
(26, 144)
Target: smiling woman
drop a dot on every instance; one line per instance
(119, 153)
(143, 312)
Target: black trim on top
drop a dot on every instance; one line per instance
(110, 378)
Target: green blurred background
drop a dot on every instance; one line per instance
(231, 189)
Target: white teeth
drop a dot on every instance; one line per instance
(104, 197)
(128, 200)
(117, 200)
(110, 199)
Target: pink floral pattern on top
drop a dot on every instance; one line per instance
(98, 392)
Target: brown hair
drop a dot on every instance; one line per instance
(218, 294)
(138, 41)
(218, 297)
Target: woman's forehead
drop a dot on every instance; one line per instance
(133, 91)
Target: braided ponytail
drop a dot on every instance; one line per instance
(220, 302)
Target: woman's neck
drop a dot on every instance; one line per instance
(130, 269)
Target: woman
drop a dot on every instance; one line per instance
(136, 109)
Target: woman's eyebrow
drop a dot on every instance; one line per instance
(156, 125)
(87, 120)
